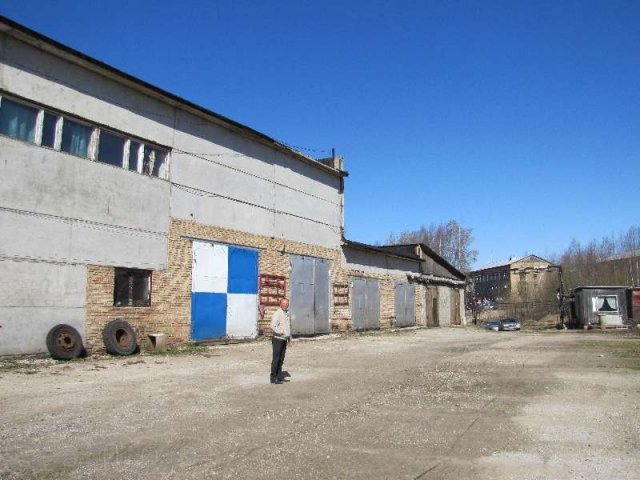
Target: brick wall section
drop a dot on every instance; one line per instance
(170, 310)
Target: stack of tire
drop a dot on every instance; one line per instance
(65, 343)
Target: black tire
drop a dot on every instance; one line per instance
(64, 342)
(119, 338)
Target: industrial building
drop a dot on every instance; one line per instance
(121, 201)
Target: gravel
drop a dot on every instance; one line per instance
(419, 403)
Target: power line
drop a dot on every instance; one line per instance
(203, 156)
(205, 193)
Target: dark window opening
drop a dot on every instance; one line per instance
(111, 149)
(132, 288)
(49, 123)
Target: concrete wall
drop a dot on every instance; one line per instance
(220, 177)
(369, 262)
(36, 296)
(528, 279)
(60, 213)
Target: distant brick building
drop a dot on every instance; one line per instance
(517, 279)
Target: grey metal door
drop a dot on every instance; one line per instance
(365, 295)
(405, 304)
(321, 283)
(309, 295)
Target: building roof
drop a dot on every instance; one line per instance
(601, 287)
(506, 263)
(378, 250)
(43, 42)
(388, 250)
(431, 254)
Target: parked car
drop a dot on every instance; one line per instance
(510, 324)
(504, 324)
(492, 325)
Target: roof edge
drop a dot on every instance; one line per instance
(379, 250)
(40, 40)
(443, 262)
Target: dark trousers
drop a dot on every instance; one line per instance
(279, 349)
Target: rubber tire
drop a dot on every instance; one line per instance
(120, 338)
(64, 342)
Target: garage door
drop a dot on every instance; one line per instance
(224, 291)
(309, 295)
(433, 319)
(365, 300)
(405, 304)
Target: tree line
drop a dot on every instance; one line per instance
(612, 260)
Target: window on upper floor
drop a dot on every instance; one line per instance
(111, 148)
(32, 123)
(18, 120)
(49, 128)
(76, 138)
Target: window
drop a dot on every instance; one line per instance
(111, 149)
(605, 304)
(18, 120)
(134, 155)
(153, 161)
(77, 137)
(49, 126)
(132, 288)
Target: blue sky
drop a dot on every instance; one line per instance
(519, 119)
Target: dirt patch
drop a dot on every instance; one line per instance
(437, 403)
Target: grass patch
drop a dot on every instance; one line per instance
(627, 351)
(181, 350)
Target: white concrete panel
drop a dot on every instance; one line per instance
(207, 140)
(53, 239)
(210, 271)
(291, 171)
(226, 213)
(39, 284)
(32, 236)
(306, 206)
(123, 248)
(210, 177)
(24, 330)
(305, 231)
(242, 315)
(41, 180)
(221, 212)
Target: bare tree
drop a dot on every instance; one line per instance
(450, 240)
(610, 261)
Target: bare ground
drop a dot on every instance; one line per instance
(416, 404)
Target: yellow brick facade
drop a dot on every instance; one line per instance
(170, 310)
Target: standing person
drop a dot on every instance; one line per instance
(281, 330)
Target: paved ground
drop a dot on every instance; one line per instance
(421, 404)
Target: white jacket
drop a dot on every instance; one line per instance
(281, 324)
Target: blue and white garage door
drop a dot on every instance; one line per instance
(224, 298)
